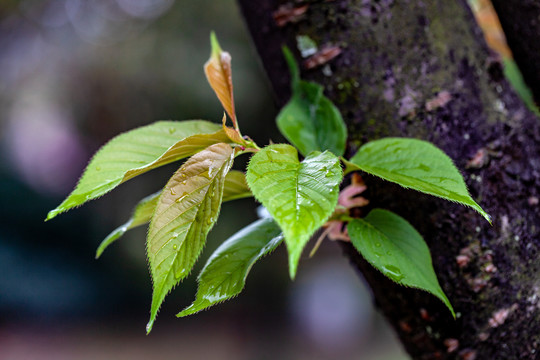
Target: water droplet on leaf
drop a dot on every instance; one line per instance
(178, 274)
(173, 192)
(180, 198)
(392, 272)
(172, 130)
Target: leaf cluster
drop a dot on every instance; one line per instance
(299, 186)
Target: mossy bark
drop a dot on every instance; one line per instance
(421, 69)
(521, 23)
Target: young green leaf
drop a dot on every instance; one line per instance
(225, 272)
(141, 215)
(138, 151)
(300, 196)
(219, 74)
(415, 164)
(394, 247)
(309, 120)
(186, 211)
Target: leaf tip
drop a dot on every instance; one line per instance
(187, 311)
(482, 212)
(448, 305)
(216, 49)
(101, 248)
(291, 63)
(293, 265)
(157, 300)
(292, 272)
(52, 214)
(150, 325)
(487, 217)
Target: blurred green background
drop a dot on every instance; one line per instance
(74, 73)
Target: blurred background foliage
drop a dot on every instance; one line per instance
(73, 74)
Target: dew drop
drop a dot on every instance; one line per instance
(184, 175)
(378, 244)
(148, 327)
(173, 192)
(184, 182)
(180, 198)
(329, 174)
(178, 274)
(388, 253)
(175, 246)
(392, 272)
(98, 168)
(172, 130)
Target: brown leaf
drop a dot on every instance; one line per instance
(219, 75)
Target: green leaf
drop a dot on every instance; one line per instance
(514, 76)
(138, 151)
(394, 247)
(309, 120)
(141, 215)
(225, 272)
(186, 211)
(235, 186)
(300, 196)
(415, 164)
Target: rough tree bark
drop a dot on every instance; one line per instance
(521, 23)
(421, 69)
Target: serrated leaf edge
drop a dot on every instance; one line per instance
(441, 295)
